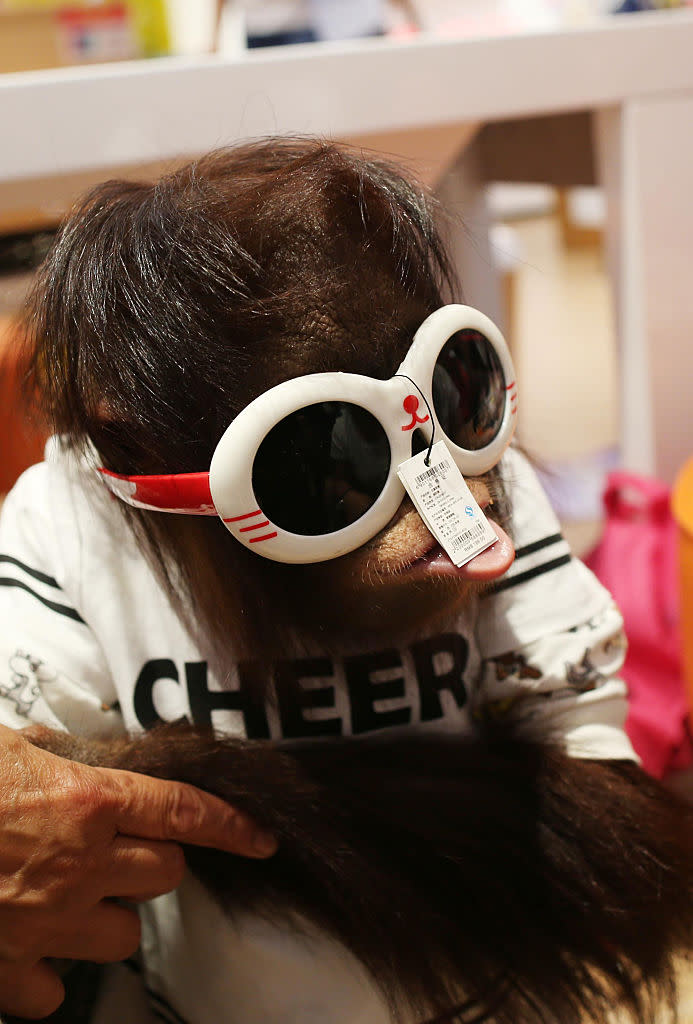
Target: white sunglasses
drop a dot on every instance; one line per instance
(308, 471)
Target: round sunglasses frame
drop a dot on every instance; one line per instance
(231, 480)
(400, 406)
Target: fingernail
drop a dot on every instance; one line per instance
(264, 844)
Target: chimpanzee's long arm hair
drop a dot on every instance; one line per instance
(476, 879)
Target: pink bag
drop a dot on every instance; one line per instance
(637, 560)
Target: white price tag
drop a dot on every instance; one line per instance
(446, 505)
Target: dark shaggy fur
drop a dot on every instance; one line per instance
(476, 880)
(494, 876)
(164, 309)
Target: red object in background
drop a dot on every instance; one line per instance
(89, 35)
(20, 444)
(637, 560)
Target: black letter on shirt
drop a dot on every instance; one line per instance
(143, 699)
(293, 699)
(431, 684)
(203, 700)
(363, 692)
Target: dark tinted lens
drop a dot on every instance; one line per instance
(469, 390)
(321, 468)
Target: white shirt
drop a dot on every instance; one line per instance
(90, 643)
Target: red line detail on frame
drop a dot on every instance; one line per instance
(248, 515)
(508, 386)
(255, 526)
(266, 536)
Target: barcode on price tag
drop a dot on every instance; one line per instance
(445, 503)
(469, 538)
(431, 472)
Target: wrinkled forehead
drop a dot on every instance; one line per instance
(327, 341)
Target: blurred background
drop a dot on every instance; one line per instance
(533, 195)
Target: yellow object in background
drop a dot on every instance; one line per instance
(682, 506)
(151, 26)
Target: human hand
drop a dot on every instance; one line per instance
(72, 840)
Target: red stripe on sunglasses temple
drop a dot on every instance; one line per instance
(247, 515)
(255, 526)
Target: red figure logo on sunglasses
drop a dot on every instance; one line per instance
(411, 406)
(309, 468)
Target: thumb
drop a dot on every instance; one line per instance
(152, 808)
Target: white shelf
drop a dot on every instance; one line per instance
(76, 119)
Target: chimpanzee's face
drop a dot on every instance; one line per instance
(402, 580)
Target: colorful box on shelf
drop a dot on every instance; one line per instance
(49, 33)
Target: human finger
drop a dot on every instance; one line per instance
(161, 809)
(144, 868)
(105, 934)
(33, 991)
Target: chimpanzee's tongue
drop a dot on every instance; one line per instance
(490, 564)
